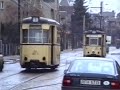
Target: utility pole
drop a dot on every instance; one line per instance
(83, 23)
(101, 10)
(19, 15)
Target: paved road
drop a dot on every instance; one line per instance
(14, 77)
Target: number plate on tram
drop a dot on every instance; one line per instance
(90, 82)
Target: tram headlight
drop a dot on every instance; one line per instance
(44, 58)
(93, 52)
(25, 58)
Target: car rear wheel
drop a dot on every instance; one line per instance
(53, 67)
(1, 69)
(1, 66)
(28, 69)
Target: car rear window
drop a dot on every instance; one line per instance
(93, 66)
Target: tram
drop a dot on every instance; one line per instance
(117, 43)
(40, 43)
(94, 43)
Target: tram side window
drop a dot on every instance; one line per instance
(0, 46)
(46, 36)
(25, 36)
(58, 37)
(87, 41)
(35, 36)
(100, 42)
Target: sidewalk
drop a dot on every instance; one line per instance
(12, 58)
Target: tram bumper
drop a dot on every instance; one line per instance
(92, 55)
(35, 64)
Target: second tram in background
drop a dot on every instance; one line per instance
(117, 43)
(40, 43)
(94, 43)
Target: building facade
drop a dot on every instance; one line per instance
(44, 8)
(50, 9)
(9, 17)
(66, 11)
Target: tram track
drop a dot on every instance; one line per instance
(10, 75)
(23, 77)
(21, 72)
(26, 81)
(37, 77)
(43, 86)
(33, 77)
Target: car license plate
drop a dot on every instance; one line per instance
(90, 82)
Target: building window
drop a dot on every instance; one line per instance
(1, 5)
(52, 14)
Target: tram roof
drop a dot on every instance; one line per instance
(94, 32)
(39, 20)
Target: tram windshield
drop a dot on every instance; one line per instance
(93, 41)
(36, 36)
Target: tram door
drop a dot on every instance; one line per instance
(0, 46)
(55, 46)
(52, 44)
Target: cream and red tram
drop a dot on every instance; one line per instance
(94, 43)
(40, 43)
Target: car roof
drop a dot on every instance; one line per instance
(94, 58)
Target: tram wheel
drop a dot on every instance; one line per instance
(1, 68)
(28, 68)
(53, 67)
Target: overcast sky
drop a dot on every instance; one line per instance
(108, 5)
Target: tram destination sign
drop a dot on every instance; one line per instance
(35, 27)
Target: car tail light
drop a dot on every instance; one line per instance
(115, 85)
(67, 82)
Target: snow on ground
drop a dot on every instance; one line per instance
(69, 55)
(114, 54)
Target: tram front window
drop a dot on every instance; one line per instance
(38, 36)
(35, 36)
(93, 41)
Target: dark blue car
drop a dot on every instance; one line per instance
(92, 74)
